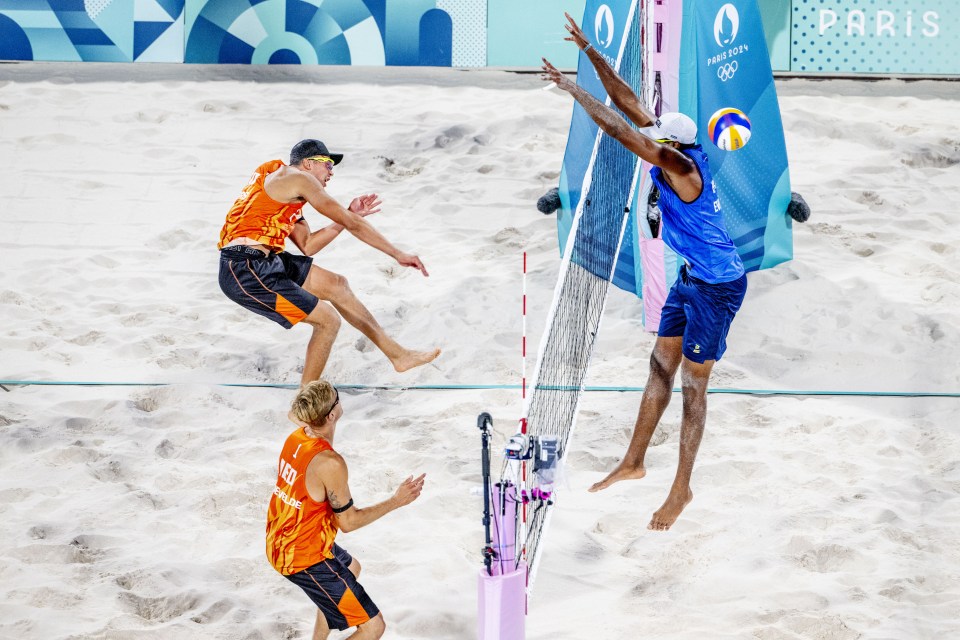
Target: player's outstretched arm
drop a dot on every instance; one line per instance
(332, 472)
(312, 242)
(621, 94)
(313, 192)
(669, 159)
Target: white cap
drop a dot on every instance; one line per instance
(674, 126)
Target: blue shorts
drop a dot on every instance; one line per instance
(271, 286)
(335, 591)
(701, 312)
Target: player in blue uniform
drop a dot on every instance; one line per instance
(701, 305)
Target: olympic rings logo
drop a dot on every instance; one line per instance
(726, 71)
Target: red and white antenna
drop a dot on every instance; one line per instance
(522, 480)
(523, 345)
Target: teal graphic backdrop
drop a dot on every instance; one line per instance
(92, 30)
(776, 27)
(876, 36)
(360, 32)
(289, 32)
(803, 36)
(519, 33)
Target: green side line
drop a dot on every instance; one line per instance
(484, 387)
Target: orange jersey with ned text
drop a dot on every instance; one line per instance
(300, 531)
(257, 216)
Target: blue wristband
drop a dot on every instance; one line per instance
(588, 47)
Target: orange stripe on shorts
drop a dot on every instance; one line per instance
(284, 307)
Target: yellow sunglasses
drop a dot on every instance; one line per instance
(323, 159)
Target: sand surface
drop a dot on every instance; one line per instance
(138, 512)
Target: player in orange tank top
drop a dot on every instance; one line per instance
(257, 217)
(310, 503)
(257, 274)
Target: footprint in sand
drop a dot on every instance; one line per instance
(222, 107)
(395, 171)
(363, 345)
(396, 423)
(663, 433)
(77, 453)
(214, 612)
(104, 261)
(162, 608)
(110, 471)
(391, 271)
(175, 239)
(38, 532)
(872, 198)
(509, 237)
(88, 549)
(154, 117)
(591, 461)
(148, 403)
(931, 328)
(450, 136)
(135, 320)
(146, 579)
(89, 337)
(938, 157)
(55, 599)
(834, 557)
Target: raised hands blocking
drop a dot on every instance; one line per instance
(552, 74)
(576, 33)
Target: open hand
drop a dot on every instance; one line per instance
(365, 205)
(576, 33)
(551, 74)
(410, 260)
(409, 490)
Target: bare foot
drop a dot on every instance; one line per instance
(411, 359)
(667, 514)
(618, 474)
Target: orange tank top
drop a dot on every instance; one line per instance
(300, 531)
(257, 216)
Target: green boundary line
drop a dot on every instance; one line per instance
(480, 387)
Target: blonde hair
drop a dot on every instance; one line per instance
(314, 402)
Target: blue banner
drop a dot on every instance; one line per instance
(605, 24)
(725, 72)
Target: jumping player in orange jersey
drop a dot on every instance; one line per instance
(310, 502)
(256, 272)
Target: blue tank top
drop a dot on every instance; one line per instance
(696, 230)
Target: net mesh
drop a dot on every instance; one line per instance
(567, 344)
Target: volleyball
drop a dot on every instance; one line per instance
(729, 128)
